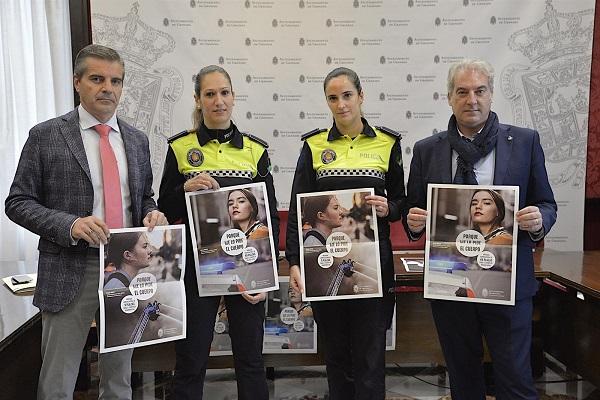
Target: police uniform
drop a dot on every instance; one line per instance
(353, 330)
(231, 158)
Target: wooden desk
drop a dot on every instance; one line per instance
(571, 324)
(20, 338)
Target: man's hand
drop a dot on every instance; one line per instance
(154, 218)
(416, 219)
(201, 181)
(91, 229)
(529, 219)
(296, 279)
(254, 298)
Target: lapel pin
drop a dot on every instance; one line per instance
(509, 138)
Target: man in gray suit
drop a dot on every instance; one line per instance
(61, 193)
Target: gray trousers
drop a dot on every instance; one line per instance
(63, 337)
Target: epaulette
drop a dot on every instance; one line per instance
(256, 139)
(312, 133)
(389, 131)
(178, 135)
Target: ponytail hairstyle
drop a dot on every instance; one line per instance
(197, 117)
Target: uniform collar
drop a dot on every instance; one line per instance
(233, 135)
(334, 133)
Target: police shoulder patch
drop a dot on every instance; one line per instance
(256, 139)
(195, 157)
(389, 131)
(179, 135)
(312, 133)
(328, 156)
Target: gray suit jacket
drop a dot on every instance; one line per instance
(52, 188)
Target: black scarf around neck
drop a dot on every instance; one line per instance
(471, 151)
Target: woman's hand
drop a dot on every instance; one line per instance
(380, 203)
(201, 181)
(254, 298)
(296, 279)
(154, 218)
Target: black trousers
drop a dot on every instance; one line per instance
(507, 332)
(246, 331)
(353, 332)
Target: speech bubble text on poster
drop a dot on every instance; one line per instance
(129, 304)
(470, 243)
(220, 327)
(250, 254)
(338, 244)
(233, 242)
(143, 286)
(288, 315)
(325, 260)
(298, 325)
(486, 259)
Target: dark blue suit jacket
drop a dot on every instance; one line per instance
(519, 162)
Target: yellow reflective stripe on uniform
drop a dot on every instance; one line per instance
(217, 159)
(346, 157)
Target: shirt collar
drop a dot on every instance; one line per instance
(88, 121)
(469, 138)
(334, 133)
(235, 137)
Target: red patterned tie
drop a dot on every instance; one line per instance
(113, 207)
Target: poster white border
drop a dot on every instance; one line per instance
(102, 332)
(188, 195)
(376, 255)
(426, 277)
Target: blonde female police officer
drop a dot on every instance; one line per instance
(352, 154)
(212, 155)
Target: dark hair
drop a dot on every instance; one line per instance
(313, 205)
(95, 51)
(118, 245)
(498, 201)
(197, 117)
(251, 198)
(352, 77)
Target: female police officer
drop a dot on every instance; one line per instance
(212, 155)
(352, 154)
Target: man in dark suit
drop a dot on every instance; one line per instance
(477, 149)
(79, 175)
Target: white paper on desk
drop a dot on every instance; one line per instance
(221, 343)
(141, 290)
(28, 287)
(290, 326)
(471, 248)
(413, 264)
(390, 334)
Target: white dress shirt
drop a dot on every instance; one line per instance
(91, 143)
